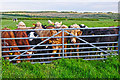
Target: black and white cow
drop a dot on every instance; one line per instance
(83, 26)
(35, 41)
(15, 20)
(33, 34)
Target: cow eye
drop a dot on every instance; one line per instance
(79, 32)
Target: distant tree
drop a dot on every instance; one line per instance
(100, 12)
(109, 12)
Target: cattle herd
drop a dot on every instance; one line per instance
(53, 41)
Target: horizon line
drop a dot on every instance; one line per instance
(53, 10)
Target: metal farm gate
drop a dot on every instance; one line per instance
(86, 50)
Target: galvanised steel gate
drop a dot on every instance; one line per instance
(87, 50)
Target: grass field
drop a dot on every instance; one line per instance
(101, 23)
(64, 68)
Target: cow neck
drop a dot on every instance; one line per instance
(42, 33)
(4, 43)
(20, 28)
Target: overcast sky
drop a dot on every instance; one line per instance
(60, 5)
(59, 0)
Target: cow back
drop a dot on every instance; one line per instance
(9, 34)
(21, 34)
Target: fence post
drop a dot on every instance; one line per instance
(0, 50)
(119, 40)
(63, 42)
(0, 47)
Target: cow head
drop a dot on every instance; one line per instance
(21, 25)
(32, 35)
(51, 33)
(64, 26)
(75, 32)
(38, 25)
(58, 25)
(83, 26)
(50, 22)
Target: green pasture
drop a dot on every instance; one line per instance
(101, 23)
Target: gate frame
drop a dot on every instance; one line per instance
(63, 30)
(119, 40)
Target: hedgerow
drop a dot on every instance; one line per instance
(81, 19)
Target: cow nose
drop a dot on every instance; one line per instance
(73, 41)
(30, 39)
(57, 38)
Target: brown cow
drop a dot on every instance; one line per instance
(22, 34)
(58, 40)
(76, 32)
(9, 34)
(53, 40)
(65, 39)
(47, 33)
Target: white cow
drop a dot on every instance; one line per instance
(50, 22)
(58, 25)
(21, 25)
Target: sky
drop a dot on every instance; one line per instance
(60, 5)
(59, 0)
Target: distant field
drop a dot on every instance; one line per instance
(101, 23)
(59, 14)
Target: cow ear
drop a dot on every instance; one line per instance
(61, 22)
(50, 32)
(29, 35)
(35, 34)
(50, 41)
(79, 32)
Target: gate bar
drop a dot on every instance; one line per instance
(61, 57)
(60, 53)
(61, 29)
(96, 59)
(60, 49)
(90, 52)
(64, 37)
(59, 44)
(63, 42)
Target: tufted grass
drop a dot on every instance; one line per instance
(64, 68)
